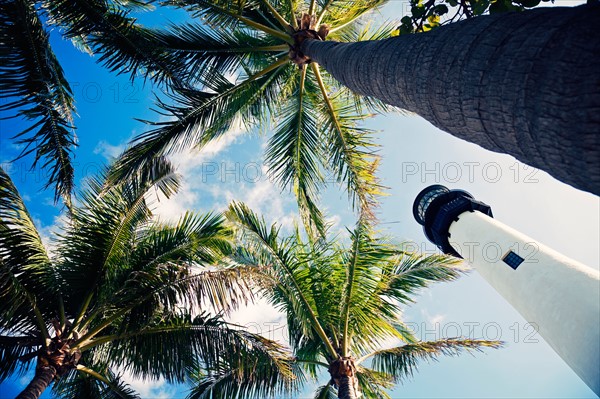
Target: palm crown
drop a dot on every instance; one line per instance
(343, 305)
(120, 293)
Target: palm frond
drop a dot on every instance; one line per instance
(193, 240)
(325, 392)
(256, 375)
(412, 271)
(263, 249)
(373, 313)
(401, 362)
(295, 155)
(367, 318)
(342, 13)
(200, 52)
(312, 216)
(24, 265)
(202, 116)
(35, 86)
(97, 239)
(93, 383)
(122, 45)
(16, 354)
(300, 329)
(352, 152)
(366, 31)
(156, 350)
(231, 14)
(164, 271)
(373, 384)
(289, 269)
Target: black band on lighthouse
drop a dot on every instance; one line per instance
(436, 207)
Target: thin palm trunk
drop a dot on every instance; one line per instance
(346, 389)
(526, 84)
(343, 374)
(41, 380)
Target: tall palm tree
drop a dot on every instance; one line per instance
(119, 294)
(342, 306)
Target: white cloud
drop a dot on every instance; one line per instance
(193, 166)
(48, 232)
(261, 318)
(149, 389)
(109, 151)
(436, 319)
(211, 183)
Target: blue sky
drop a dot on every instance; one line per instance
(415, 154)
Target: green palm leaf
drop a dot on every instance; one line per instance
(373, 383)
(92, 384)
(155, 350)
(341, 13)
(24, 265)
(145, 294)
(206, 51)
(352, 152)
(229, 14)
(411, 272)
(401, 362)
(286, 267)
(35, 86)
(122, 45)
(325, 392)
(203, 116)
(254, 375)
(16, 354)
(295, 154)
(96, 240)
(362, 320)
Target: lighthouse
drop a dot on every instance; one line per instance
(551, 291)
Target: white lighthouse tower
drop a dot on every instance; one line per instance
(558, 295)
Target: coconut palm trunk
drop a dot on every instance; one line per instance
(41, 380)
(346, 389)
(526, 84)
(343, 374)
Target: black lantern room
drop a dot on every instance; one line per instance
(436, 207)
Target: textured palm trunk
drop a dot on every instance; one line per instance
(346, 389)
(526, 84)
(343, 374)
(41, 380)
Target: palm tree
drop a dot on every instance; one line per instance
(119, 294)
(342, 306)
